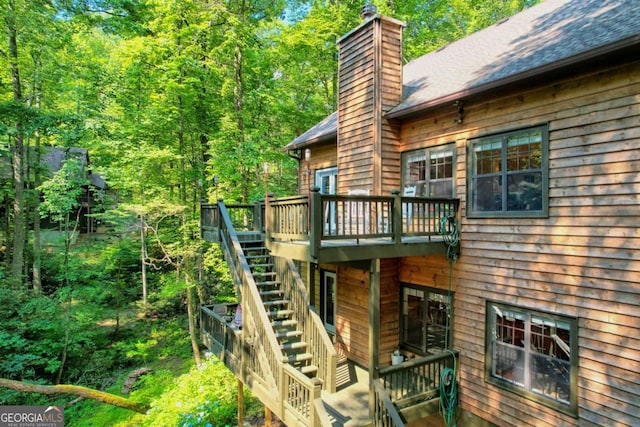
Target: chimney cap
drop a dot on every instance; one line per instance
(368, 11)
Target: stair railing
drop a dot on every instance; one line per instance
(314, 334)
(262, 355)
(385, 413)
(295, 402)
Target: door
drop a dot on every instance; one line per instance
(328, 299)
(327, 180)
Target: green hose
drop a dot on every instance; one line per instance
(448, 379)
(449, 394)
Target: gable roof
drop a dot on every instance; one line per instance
(546, 38)
(53, 158)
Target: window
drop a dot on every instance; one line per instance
(429, 171)
(508, 174)
(534, 354)
(328, 299)
(426, 319)
(327, 180)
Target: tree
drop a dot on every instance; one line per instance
(75, 390)
(61, 198)
(10, 19)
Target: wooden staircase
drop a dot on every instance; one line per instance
(277, 305)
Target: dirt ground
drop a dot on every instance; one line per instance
(260, 422)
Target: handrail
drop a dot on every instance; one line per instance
(314, 334)
(385, 414)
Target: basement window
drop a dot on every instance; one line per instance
(508, 174)
(533, 354)
(425, 319)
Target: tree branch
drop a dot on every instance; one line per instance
(76, 390)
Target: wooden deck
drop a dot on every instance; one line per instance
(349, 405)
(331, 228)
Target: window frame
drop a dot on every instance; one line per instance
(527, 389)
(426, 290)
(427, 154)
(504, 175)
(323, 307)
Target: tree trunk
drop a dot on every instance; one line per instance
(192, 323)
(65, 266)
(17, 261)
(37, 280)
(143, 261)
(100, 396)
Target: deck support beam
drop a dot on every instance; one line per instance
(374, 329)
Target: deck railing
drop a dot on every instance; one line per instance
(416, 379)
(220, 337)
(338, 217)
(385, 414)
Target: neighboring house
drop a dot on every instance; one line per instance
(534, 125)
(52, 159)
(93, 193)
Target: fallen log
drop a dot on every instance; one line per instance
(76, 390)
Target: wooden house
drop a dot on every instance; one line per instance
(479, 203)
(51, 161)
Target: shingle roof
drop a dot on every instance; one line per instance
(549, 35)
(324, 130)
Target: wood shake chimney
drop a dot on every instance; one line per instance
(370, 84)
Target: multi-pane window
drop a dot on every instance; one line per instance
(426, 319)
(533, 353)
(429, 172)
(508, 174)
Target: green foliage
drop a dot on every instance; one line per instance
(61, 193)
(206, 394)
(218, 286)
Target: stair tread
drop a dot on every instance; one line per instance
(276, 302)
(298, 357)
(309, 369)
(288, 334)
(268, 283)
(281, 323)
(278, 313)
(272, 292)
(294, 345)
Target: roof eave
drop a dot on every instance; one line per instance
(313, 141)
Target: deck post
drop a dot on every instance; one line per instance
(267, 417)
(374, 330)
(397, 219)
(311, 282)
(315, 222)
